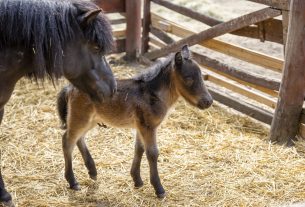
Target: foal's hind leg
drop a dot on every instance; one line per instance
(135, 168)
(89, 162)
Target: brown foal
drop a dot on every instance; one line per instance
(141, 103)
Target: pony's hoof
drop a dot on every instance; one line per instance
(8, 203)
(161, 195)
(93, 177)
(138, 184)
(75, 187)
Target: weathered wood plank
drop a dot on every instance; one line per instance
(119, 46)
(256, 81)
(133, 29)
(272, 30)
(146, 26)
(119, 33)
(292, 91)
(216, 31)
(243, 107)
(239, 52)
(279, 4)
(241, 89)
(285, 23)
(111, 6)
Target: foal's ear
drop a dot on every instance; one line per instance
(185, 52)
(178, 58)
(88, 17)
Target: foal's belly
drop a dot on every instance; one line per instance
(115, 120)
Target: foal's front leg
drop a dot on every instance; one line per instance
(135, 168)
(152, 153)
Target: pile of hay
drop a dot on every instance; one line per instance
(207, 158)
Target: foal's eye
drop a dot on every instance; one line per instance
(189, 81)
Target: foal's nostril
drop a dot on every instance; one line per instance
(205, 103)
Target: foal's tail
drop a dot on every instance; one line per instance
(62, 106)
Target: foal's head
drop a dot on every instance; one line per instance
(189, 82)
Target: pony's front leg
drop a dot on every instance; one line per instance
(135, 168)
(68, 144)
(152, 153)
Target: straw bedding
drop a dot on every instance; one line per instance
(207, 158)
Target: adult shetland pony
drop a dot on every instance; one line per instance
(48, 39)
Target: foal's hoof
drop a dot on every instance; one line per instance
(75, 187)
(93, 177)
(138, 185)
(8, 203)
(161, 195)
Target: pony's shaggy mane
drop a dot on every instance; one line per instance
(46, 26)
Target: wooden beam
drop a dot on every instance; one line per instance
(133, 30)
(188, 12)
(239, 52)
(241, 89)
(272, 30)
(265, 84)
(243, 107)
(146, 26)
(119, 33)
(216, 31)
(117, 21)
(285, 23)
(119, 46)
(292, 91)
(111, 6)
(279, 4)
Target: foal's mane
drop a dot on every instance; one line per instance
(46, 26)
(162, 65)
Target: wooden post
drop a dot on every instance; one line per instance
(292, 91)
(285, 22)
(133, 30)
(146, 26)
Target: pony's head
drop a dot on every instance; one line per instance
(85, 65)
(189, 82)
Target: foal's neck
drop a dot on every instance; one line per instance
(164, 86)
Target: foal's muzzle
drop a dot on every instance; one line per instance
(205, 103)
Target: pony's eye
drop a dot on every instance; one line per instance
(189, 81)
(96, 48)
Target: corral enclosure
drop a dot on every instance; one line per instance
(215, 157)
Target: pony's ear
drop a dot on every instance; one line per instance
(88, 17)
(185, 52)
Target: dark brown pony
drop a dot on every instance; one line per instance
(48, 39)
(141, 103)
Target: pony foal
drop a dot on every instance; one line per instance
(141, 103)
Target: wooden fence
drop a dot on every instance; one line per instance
(283, 100)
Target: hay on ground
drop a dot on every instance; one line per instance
(207, 158)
